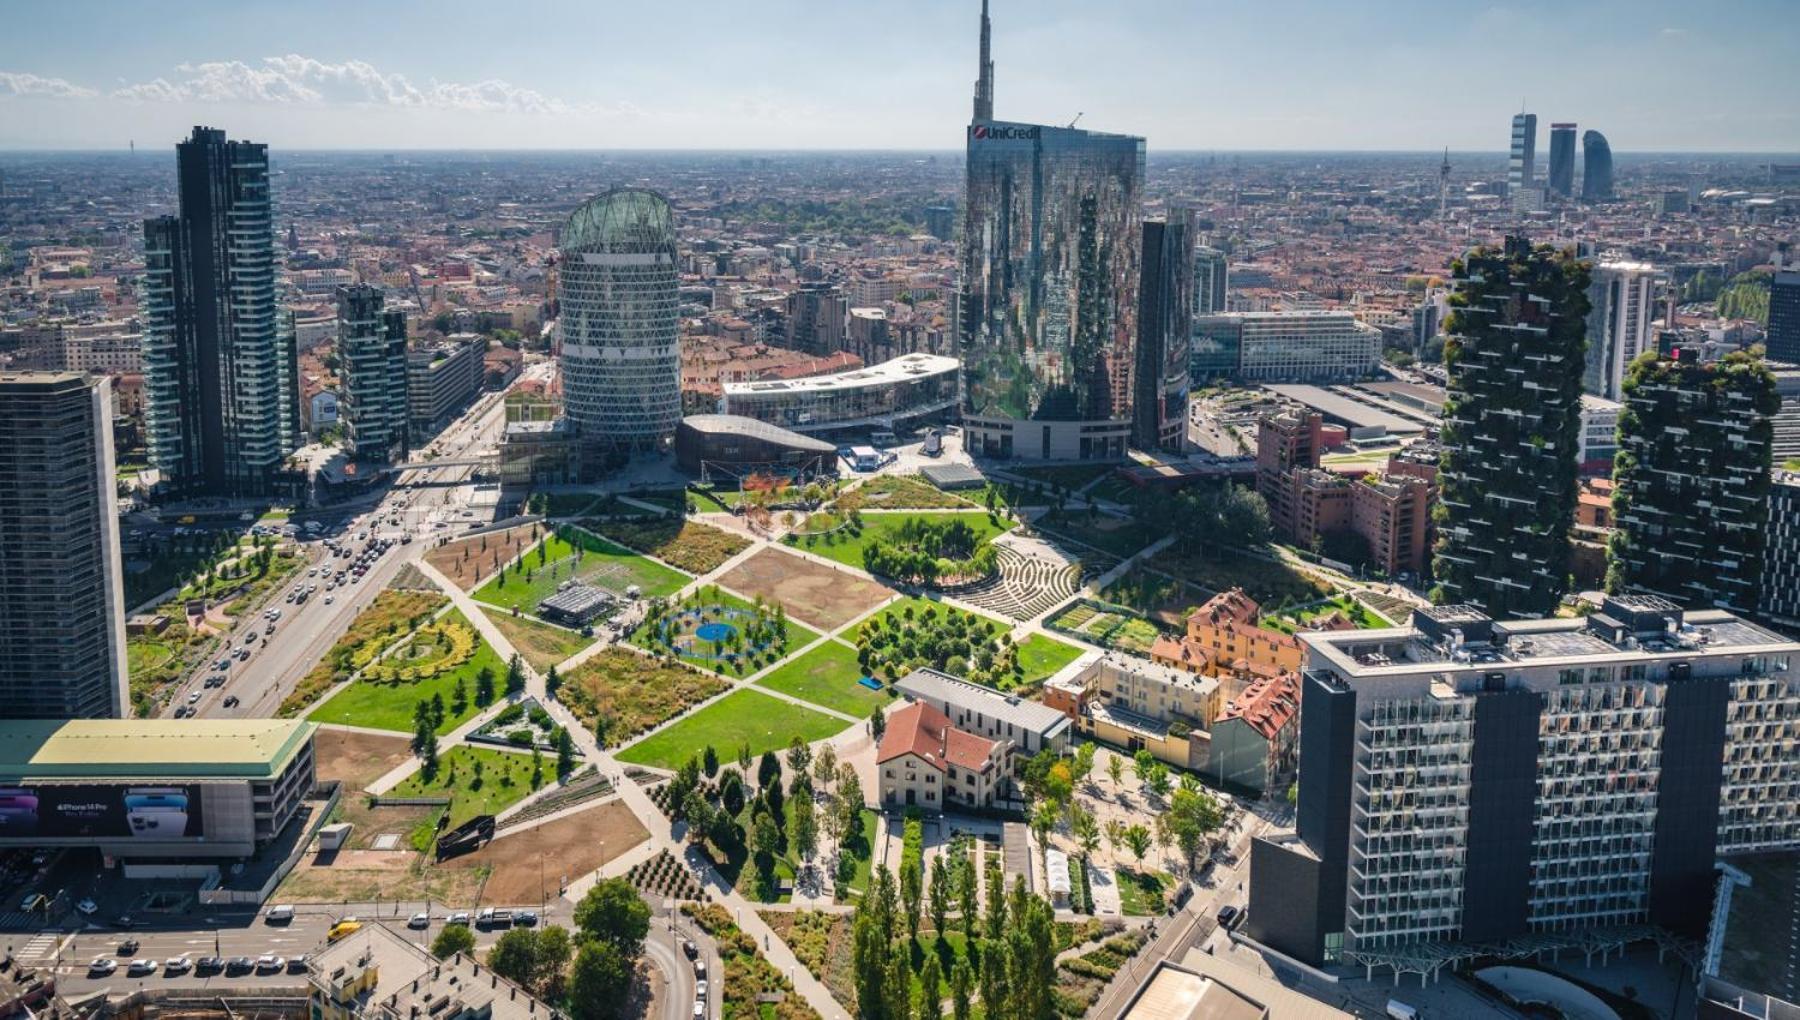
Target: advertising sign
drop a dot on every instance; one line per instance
(73, 811)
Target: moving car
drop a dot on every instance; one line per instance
(177, 965)
(102, 966)
(128, 947)
(88, 907)
(240, 965)
(209, 965)
(142, 968)
(419, 920)
(525, 918)
(269, 962)
(460, 917)
(341, 929)
(1228, 916)
(280, 914)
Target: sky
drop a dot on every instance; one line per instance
(1719, 76)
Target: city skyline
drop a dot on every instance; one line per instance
(869, 83)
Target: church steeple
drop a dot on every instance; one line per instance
(984, 84)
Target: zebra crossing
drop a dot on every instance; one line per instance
(41, 946)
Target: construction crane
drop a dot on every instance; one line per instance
(1077, 119)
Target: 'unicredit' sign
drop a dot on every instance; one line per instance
(983, 132)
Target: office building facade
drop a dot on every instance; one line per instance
(1048, 285)
(223, 405)
(816, 319)
(62, 599)
(1288, 347)
(1521, 165)
(903, 391)
(1165, 325)
(441, 380)
(1212, 279)
(1561, 180)
(1474, 788)
(1692, 473)
(1596, 168)
(1511, 428)
(619, 301)
(372, 350)
(1783, 342)
(1621, 306)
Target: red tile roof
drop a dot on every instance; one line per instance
(1267, 705)
(922, 729)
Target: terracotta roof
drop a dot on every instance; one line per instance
(1267, 705)
(922, 729)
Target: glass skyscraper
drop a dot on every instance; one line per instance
(1165, 327)
(1562, 159)
(372, 348)
(222, 408)
(1521, 166)
(1596, 168)
(619, 300)
(1048, 294)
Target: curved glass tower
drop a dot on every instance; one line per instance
(617, 289)
(1596, 168)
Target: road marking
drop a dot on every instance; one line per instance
(39, 946)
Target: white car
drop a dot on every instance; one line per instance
(419, 920)
(700, 989)
(88, 907)
(329, 598)
(178, 965)
(103, 965)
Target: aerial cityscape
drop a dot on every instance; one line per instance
(718, 545)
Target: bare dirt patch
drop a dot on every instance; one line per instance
(357, 759)
(814, 594)
(566, 848)
(470, 561)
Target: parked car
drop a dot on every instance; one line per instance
(525, 918)
(177, 965)
(88, 908)
(419, 920)
(269, 963)
(1227, 915)
(460, 917)
(208, 965)
(141, 968)
(297, 965)
(240, 965)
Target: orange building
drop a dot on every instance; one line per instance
(1225, 635)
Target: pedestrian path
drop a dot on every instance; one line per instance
(41, 946)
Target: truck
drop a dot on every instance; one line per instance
(934, 443)
(1397, 1010)
(466, 838)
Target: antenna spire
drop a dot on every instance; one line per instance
(984, 83)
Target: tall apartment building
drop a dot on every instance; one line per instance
(223, 409)
(1527, 785)
(866, 335)
(1781, 551)
(1621, 308)
(1300, 346)
(1047, 296)
(1562, 160)
(372, 349)
(1389, 513)
(1285, 441)
(1784, 312)
(1521, 165)
(817, 317)
(441, 379)
(1512, 421)
(620, 326)
(1212, 279)
(1165, 326)
(62, 600)
(1692, 477)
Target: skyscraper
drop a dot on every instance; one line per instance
(619, 296)
(1048, 289)
(222, 409)
(1212, 278)
(1596, 168)
(372, 349)
(1165, 327)
(1691, 496)
(1784, 311)
(1621, 306)
(1512, 424)
(817, 315)
(62, 601)
(1521, 167)
(1562, 159)
(984, 77)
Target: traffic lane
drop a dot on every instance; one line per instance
(257, 623)
(678, 977)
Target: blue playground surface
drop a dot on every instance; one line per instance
(871, 683)
(714, 631)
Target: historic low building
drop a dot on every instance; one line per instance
(926, 762)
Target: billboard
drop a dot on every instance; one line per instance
(119, 811)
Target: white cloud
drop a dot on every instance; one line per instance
(294, 79)
(20, 84)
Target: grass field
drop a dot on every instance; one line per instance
(846, 548)
(1289, 620)
(1141, 893)
(385, 706)
(619, 694)
(600, 563)
(745, 717)
(539, 643)
(821, 594)
(505, 779)
(900, 492)
(1041, 656)
(386, 620)
(826, 676)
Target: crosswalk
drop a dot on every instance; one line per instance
(13, 921)
(41, 946)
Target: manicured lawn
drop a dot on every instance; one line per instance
(900, 492)
(746, 717)
(710, 597)
(505, 779)
(1289, 620)
(1041, 656)
(601, 564)
(1141, 892)
(387, 619)
(389, 706)
(847, 548)
(857, 861)
(826, 676)
(541, 644)
(619, 694)
(694, 547)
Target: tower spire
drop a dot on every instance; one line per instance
(984, 83)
